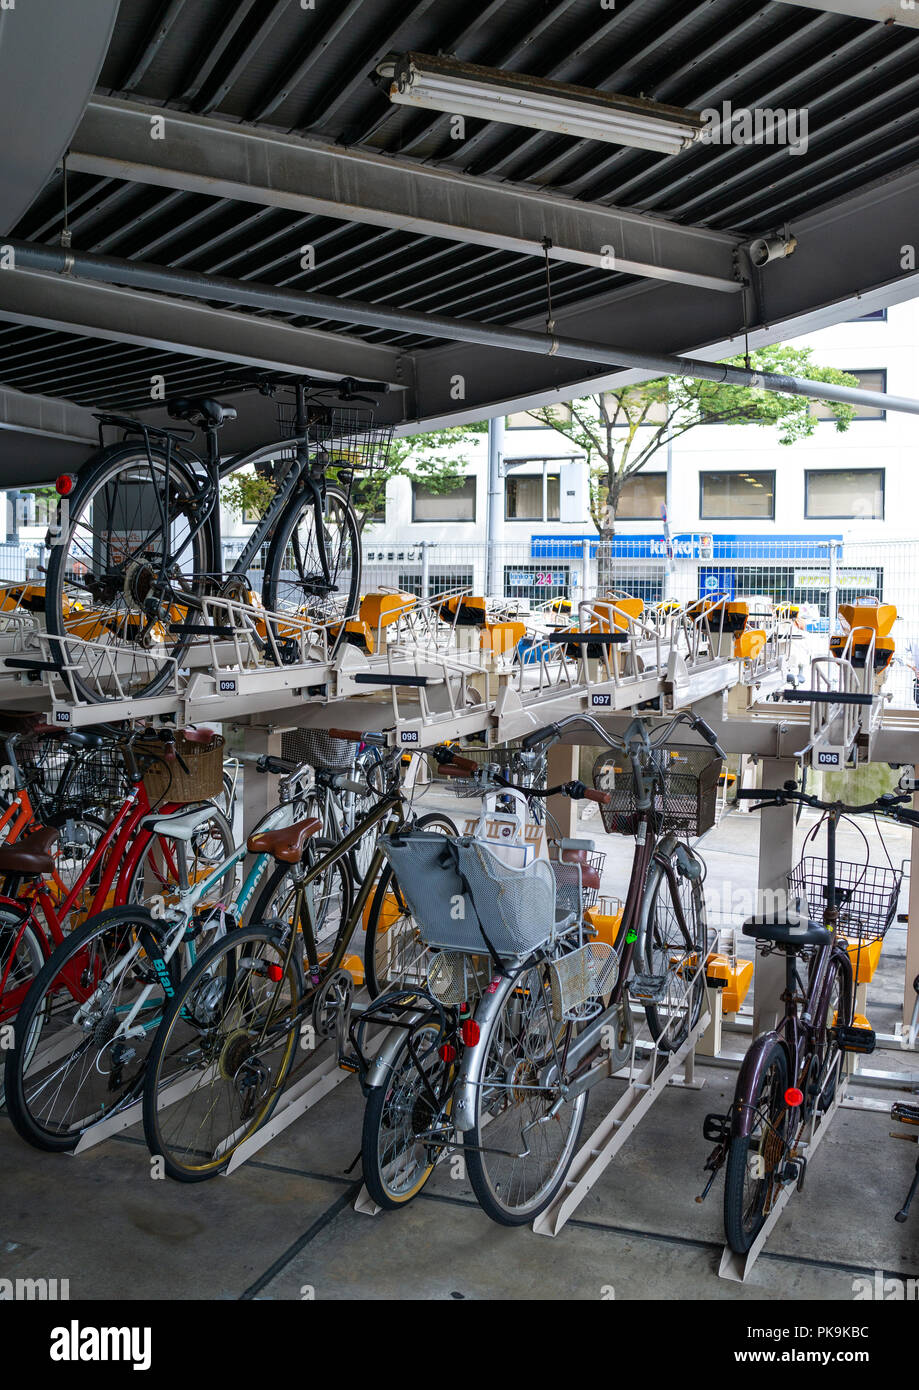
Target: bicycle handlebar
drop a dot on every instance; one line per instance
(887, 805)
(551, 732)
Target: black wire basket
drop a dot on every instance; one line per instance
(685, 794)
(866, 896)
(346, 434)
(61, 779)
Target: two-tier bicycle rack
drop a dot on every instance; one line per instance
(428, 679)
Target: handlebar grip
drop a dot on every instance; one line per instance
(281, 767)
(753, 794)
(539, 736)
(452, 770)
(348, 735)
(907, 816)
(601, 798)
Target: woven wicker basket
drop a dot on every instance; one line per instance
(168, 781)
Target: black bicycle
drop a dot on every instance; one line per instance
(137, 546)
(790, 1075)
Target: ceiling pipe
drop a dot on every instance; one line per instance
(111, 270)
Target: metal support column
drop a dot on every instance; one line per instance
(776, 859)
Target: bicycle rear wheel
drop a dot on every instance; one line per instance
(668, 955)
(112, 579)
(755, 1161)
(222, 1053)
(524, 1135)
(397, 1159)
(295, 581)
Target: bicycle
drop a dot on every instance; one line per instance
(539, 1011)
(124, 949)
(139, 545)
(229, 1034)
(790, 1075)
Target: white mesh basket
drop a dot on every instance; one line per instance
(463, 898)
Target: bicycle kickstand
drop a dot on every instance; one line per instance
(903, 1213)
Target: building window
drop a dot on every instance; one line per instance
(736, 496)
(523, 420)
(867, 381)
(831, 493)
(642, 497)
(532, 497)
(456, 505)
(658, 411)
(879, 314)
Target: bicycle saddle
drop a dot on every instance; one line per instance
(287, 842)
(201, 410)
(31, 854)
(788, 928)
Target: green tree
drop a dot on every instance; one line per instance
(431, 457)
(620, 431)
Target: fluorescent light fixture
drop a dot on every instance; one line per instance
(465, 89)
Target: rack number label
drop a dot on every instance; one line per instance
(825, 759)
(409, 736)
(62, 716)
(227, 687)
(601, 701)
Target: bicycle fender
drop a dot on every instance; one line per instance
(474, 1057)
(380, 1069)
(751, 1069)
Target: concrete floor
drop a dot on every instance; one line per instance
(283, 1227)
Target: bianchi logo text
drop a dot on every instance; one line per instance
(76, 1343)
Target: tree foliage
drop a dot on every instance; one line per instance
(433, 458)
(621, 431)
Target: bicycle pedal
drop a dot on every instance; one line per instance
(716, 1129)
(648, 989)
(860, 1040)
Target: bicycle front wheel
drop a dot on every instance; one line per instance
(127, 573)
(296, 580)
(673, 945)
(524, 1134)
(222, 1053)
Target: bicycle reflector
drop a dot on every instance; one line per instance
(447, 1052)
(274, 973)
(469, 1032)
(794, 1097)
(64, 484)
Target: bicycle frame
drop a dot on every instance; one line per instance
(127, 843)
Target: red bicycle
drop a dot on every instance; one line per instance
(127, 860)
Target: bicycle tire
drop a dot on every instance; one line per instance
(654, 944)
(741, 1232)
(324, 611)
(512, 1087)
(194, 1007)
(58, 1138)
(826, 1048)
(385, 1106)
(108, 465)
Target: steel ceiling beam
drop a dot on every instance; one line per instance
(174, 325)
(250, 164)
(110, 270)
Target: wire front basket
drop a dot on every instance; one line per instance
(866, 896)
(685, 793)
(346, 435)
(61, 779)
